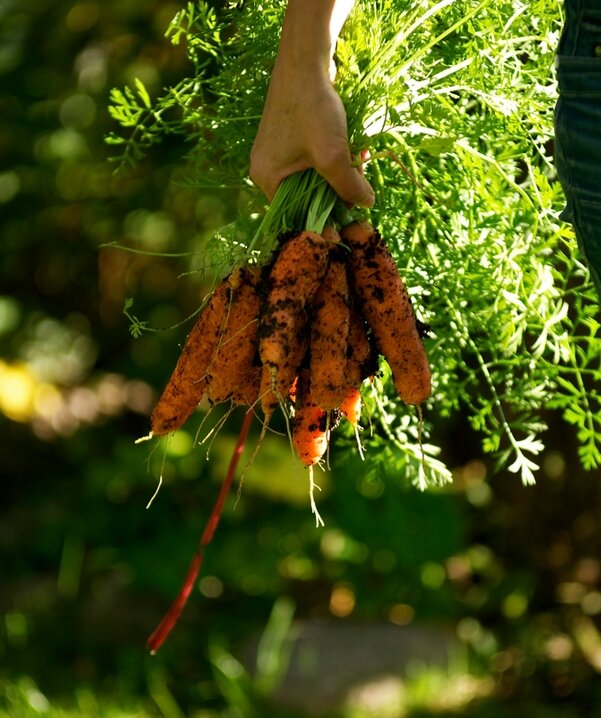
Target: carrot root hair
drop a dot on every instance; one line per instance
(312, 486)
(359, 444)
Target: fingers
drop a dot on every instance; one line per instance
(336, 167)
(268, 178)
(348, 183)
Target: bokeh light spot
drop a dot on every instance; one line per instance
(77, 112)
(83, 16)
(10, 184)
(342, 600)
(401, 614)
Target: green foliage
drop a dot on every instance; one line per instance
(467, 112)
(87, 571)
(217, 108)
(454, 101)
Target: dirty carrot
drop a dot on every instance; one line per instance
(230, 374)
(386, 306)
(351, 404)
(246, 392)
(292, 283)
(361, 357)
(279, 384)
(310, 425)
(187, 384)
(329, 335)
(361, 363)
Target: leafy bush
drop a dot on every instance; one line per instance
(454, 102)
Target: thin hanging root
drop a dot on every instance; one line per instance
(202, 423)
(264, 428)
(312, 486)
(159, 635)
(423, 473)
(156, 491)
(213, 521)
(282, 403)
(154, 448)
(359, 445)
(420, 436)
(249, 463)
(215, 430)
(148, 437)
(288, 427)
(265, 421)
(158, 488)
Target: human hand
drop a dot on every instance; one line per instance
(304, 125)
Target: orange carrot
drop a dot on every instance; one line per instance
(293, 390)
(351, 404)
(329, 336)
(361, 363)
(292, 283)
(361, 358)
(231, 374)
(386, 306)
(162, 631)
(310, 424)
(247, 390)
(277, 385)
(187, 384)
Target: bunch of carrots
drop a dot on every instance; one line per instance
(302, 332)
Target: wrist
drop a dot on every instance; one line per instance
(305, 44)
(309, 34)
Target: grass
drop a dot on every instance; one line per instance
(21, 698)
(430, 693)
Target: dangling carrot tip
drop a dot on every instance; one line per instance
(168, 622)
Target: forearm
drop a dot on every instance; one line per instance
(310, 31)
(304, 123)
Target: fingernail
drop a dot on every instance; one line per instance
(369, 200)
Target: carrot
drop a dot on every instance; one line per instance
(187, 384)
(277, 385)
(231, 374)
(310, 425)
(162, 631)
(350, 408)
(386, 306)
(292, 283)
(329, 336)
(293, 390)
(248, 387)
(361, 359)
(361, 363)
(351, 404)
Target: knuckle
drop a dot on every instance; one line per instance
(333, 158)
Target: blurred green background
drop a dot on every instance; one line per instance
(475, 600)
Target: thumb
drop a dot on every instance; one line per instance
(351, 186)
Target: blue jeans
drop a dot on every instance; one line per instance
(578, 127)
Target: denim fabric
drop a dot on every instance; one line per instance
(578, 126)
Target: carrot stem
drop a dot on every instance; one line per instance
(159, 635)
